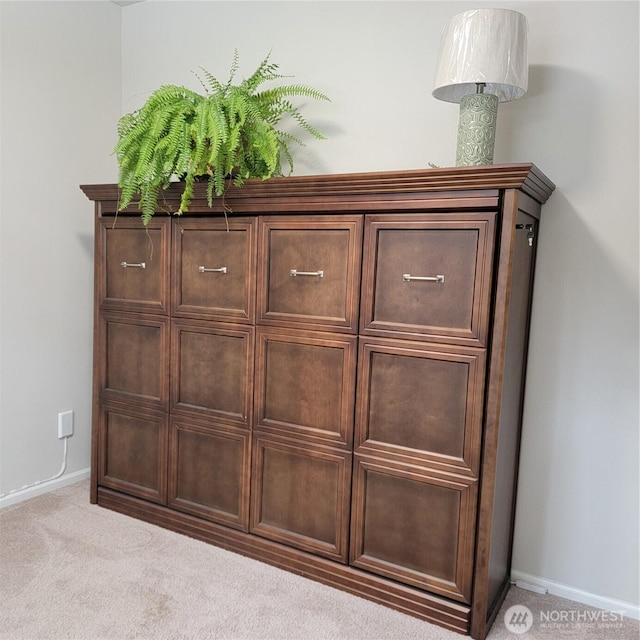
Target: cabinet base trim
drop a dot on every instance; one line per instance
(410, 601)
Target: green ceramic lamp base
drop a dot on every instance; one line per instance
(477, 129)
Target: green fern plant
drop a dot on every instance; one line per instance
(230, 130)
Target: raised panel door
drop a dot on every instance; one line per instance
(309, 272)
(300, 495)
(212, 370)
(214, 269)
(133, 264)
(428, 277)
(133, 451)
(414, 526)
(209, 472)
(305, 384)
(136, 358)
(421, 403)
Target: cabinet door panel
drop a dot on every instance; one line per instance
(421, 401)
(212, 370)
(136, 350)
(305, 384)
(214, 269)
(428, 276)
(414, 526)
(133, 265)
(300, 495)
(309, 272)
(209, 474)
(133, 452)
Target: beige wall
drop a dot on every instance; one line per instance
(60, 96)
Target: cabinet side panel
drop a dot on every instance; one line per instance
(511, 409)
(503, 409)
(98, 294)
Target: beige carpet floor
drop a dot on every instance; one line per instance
(74, 571)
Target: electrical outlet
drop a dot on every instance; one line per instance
(65, 424)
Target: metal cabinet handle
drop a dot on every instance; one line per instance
(407, 277)
(138, 265)
(202, 269)
(317, 274)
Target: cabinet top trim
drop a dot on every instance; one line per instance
(386, 184)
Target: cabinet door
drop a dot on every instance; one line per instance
(209, 472)
(212, 371)
(133, 264)
(421, 403)
(300, 495)
(136, 358)
(305, 385)
(133, 451)
(309, 272)
(414, 526)
(428, 276)
(214, 269)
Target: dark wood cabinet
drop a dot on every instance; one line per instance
(326, 373)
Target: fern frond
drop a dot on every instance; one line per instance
(234, 67)
(218, 131)
(213, 84)
(284, 149)
(266, 71)
(285, 91)
(187, 193)
(297, 116)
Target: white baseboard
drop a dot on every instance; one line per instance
(629, 609)
(44, 487)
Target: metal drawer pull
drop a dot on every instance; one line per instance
(317, 274)
(202, 269)
(407, 277)
(139, 265)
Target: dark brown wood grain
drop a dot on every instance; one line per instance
(209, 471)
(305, 385)
(300, 495)
(212, 370)
(133, 451)
(214, 269)
(458, 248)
(143, 284)
(329, 246)
(414, 525)
(135, 361)
(421, 403)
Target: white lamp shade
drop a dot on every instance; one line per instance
(483, 46)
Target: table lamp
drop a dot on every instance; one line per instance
(482, 61)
